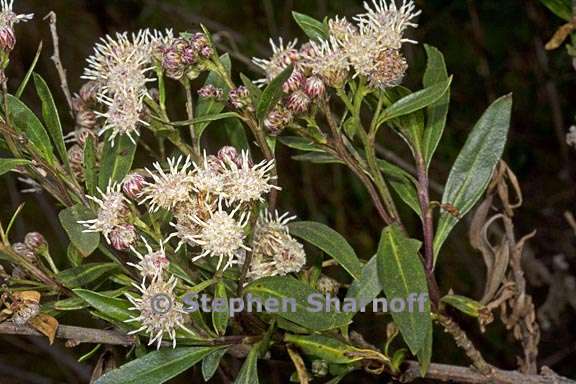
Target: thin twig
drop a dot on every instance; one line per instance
(51, 17)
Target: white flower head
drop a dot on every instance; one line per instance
(328, 60)
(8, 17)
(388, 21)
(208, 177)
(123, 115)
(221, 235)
(170, 187)
(159, 311)
(152, 263)
(246, 182)
(282, 56)
(112, 211)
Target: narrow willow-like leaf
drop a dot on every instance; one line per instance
(415, 101)
(367, 287)
(116, 161)
(26, 79)
(205, 119)
(403, 184)
(156, 367)
(299, 143)
(210, 106)
(90, 177)
(113, 307)
(473, 167)
(329, 241)
(255, 91)
(402, 274)
(220, 317)
(317, 158)
(84, 274)
(310, 306)
(51, 117)
(26, 122)
(464, 304)
(85, 242)
(561, 8)
(324, 347)
(249, 372)
(211, 362)
(424, 355)
(272, 93)
(236, 133)
(314, 29)
(7, 165)
(435, 113)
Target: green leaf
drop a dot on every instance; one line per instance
(317, 158)
(368, 286)
(329, 241)
(464, 304)
(51, 117)
(249, 372)
(286, 289)
(299, 143)
(255, 91)
(326, 348)
(156, 367)
(90, 178)
(116, 161)
(236, 133)
(221, 316)
(77, 303)
(205, 119)
(211, 362)
(314, 29)
(473, 167)
(7, 165)
(85, 242)
(84, 274)
(402, 182)
(402, 274)
(272, 93)
(437, 112)
(424, 355)
(561, 8)
(26, 123)
(26, 79)
(415, 101)
(112, 307)
(209, 106)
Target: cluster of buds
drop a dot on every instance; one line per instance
(184, 56)
(240, 98)
(34, 244)
(209, 91)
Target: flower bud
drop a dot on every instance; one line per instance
(211, 92)
(314, 87)
(229, 154)
(89, 91)
(122, 237)
(278, 119)
(35, 241)
(23, 250)
(298, 102)
(294, 82)
(132, 185)
(240, 98)
(389, 69)
(86, 119)
(7, 38)
(327, 285)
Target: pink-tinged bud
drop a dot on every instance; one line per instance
(35, 241)
(89, 91)
(298, 102)
(189, 55)
(240, 98)
(211, 92)
(23, 250)
(122, 237)
(278, 119)
(86, 119)
(132, 185)
(314, 87)
(7, 38)
(206, 52)
(76, 154)
(82, 134)
(229, 154)
(294, 82)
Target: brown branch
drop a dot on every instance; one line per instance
(51, 17)
(452, 373)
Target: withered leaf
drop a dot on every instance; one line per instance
(46, 325)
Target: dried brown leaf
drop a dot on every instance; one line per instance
(46, 325)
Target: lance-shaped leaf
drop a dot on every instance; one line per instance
(331, 242)
(403, 278)
(7, 165)
(249, 372)
(211, 362)
(561, 8)
(220, 317)
(156, 367)
(437, 112)
(367, 287)
(51, 117)
(272, 93)
(26, 122)
(314, 29)
(85, 242)
(473, 167)
(115, 308)
(464, 304)
(116, 161)
(90, 178)
(84, 274)
(298, 303)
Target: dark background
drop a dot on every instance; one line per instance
(491, 48)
